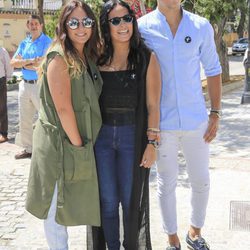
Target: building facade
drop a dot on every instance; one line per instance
(13, 18)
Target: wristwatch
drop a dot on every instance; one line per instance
(217, 112)
(155, 143)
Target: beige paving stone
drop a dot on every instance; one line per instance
(230, 175)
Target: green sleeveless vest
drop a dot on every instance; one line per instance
(56, 160)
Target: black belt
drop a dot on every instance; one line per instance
(30, 81)
(118, 119)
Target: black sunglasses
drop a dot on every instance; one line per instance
(74, 23)
(117, 20)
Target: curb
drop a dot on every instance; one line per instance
(227, 88)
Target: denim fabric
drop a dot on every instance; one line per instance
(56, 235)
(115, 157)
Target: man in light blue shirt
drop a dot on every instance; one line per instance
(181, 41)
(28, 57)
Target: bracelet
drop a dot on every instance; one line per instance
(216, 112)
(155, 143)
(157, 130)
(153, 136)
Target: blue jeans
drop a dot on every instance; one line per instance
(56, 235)
(114, 151)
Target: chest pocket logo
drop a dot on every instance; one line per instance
(188, 39)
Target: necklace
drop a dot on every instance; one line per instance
(125, 78)
(116, 68)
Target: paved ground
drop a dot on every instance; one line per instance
(230, 181)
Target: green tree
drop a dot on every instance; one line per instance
(40, 13)
(242, 5)
(51, 23)
(188, 5)
(95, 6)
(218, 12)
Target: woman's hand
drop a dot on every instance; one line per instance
(149, 156)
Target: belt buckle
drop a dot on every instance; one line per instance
(30, 81)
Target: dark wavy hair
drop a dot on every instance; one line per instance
(136, 43)
(93, 44)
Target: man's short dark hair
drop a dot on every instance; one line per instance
(35, 17)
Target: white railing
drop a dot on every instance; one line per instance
(23, 4)
(52, 5)
(32, 4)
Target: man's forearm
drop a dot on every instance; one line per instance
(20, 63)
(214, 91)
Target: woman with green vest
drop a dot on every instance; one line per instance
(63, 187)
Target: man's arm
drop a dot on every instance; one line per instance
(35, 64)
(214, 92)
(19, 62)
(8, 68)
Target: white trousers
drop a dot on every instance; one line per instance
(56, 235)
(28, 98)
(196, 154)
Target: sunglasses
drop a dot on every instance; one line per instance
(117, 20)
(74, 23)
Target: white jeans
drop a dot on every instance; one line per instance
(28, 98)
(196, 153)
(56, 235)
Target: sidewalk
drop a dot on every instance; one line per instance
(230, 181)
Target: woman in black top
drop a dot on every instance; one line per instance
(125, 150)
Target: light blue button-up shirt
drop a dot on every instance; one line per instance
(182, 102)
(29, 49)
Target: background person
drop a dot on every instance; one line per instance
(28, 57)
(181, 40)
(245, 57)
(63, 188)
(5, 74)
(129, 105)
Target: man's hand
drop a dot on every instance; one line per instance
(213, 126)
(34, 63)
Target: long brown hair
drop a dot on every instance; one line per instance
(91, 47)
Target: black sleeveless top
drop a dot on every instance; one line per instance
(119, 97)
(138, 222)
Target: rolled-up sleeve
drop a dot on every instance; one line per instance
(208, 54)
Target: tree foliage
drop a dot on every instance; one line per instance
(243, 8)
(95, 5)
(51, 23)
(217, 12)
